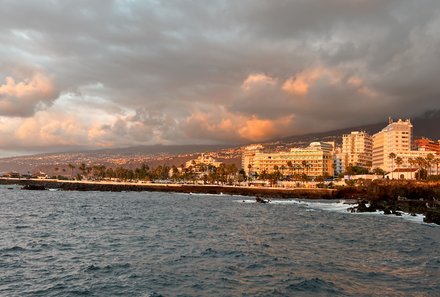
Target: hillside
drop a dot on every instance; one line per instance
(425, 126)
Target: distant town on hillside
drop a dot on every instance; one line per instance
(392, 152)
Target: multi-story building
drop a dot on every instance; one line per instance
(339, 161)
(205, 160)
(358, 148)
(248, 157)
(394, 138)
(315, 160)
(428, 145)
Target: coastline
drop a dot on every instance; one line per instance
(106, 186)
(391, 197)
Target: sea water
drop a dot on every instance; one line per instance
(56, 243)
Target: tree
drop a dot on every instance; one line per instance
(392, 156)
(71, 166)
(83, 168)
(378, 171)
(306, 165)
(399, 162)
(283, 168)
(290, 166)
(436, 162)
(421, 163)
(429, 158)
(241, 175)
(353, 170)
(411, 164)
(249, 171)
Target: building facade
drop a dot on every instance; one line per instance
(395, 138)
(358, 148)
(315, 160)
(248, 157)
(205, 160)
(428, 145)
(339, 163)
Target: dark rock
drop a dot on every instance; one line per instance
(261, 200)
(34, 187)
(362, 207)
(397, 213)
(432, 216)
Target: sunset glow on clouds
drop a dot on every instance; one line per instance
(300, 83)
(24, 97)
(120, 73)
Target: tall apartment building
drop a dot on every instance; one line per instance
(394, 138)
(358, 148)
(248, 157)
(315, 160)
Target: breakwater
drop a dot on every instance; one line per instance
(278, 193)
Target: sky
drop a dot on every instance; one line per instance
(97, 74)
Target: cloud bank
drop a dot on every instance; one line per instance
(121, 73)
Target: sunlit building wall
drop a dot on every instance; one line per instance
(394, 138)
(428, 145)
(315, 160)
(248, 157)
(358, 148)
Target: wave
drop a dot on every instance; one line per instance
(13, 249)
(315, 286)
(340, 206)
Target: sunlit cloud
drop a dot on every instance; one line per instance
(234, 127)
(301, 83)
(106, 75)
(22, 98)
(256, 81)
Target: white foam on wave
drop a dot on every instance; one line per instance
(342, 207)
(339, 206)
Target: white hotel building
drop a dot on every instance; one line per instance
(357, 148)
(394, 138)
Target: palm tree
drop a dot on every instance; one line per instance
(411, 164)
(436, 162)
(290, 166)
(83, 168)
(249, 171)
(297, 167)
(421, 164)
(399, 162)
(304, 165)
(71, 166)
(429, 158)
(392, 156)
(283, 168)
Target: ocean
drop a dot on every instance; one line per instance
(56, 243)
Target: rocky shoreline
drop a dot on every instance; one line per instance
(391, 197)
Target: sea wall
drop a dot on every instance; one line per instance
(206, 189)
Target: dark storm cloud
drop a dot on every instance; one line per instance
(157, 66)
